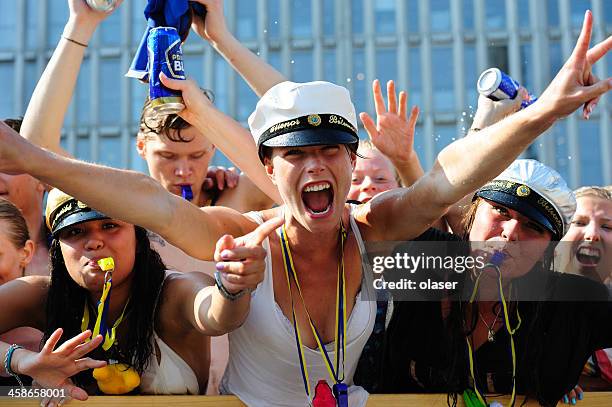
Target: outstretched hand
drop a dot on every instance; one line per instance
(53, 368)
(241, 260)
(393, 133)
(575, 85)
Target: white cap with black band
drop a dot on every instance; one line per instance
(304, 114)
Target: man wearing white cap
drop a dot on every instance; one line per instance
(306, 310)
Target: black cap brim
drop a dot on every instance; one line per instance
(311, 137)
(522, 206)
(76, 218)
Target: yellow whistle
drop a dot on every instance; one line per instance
(106, 264)
(117, 378)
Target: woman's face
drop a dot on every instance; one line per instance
(371, 176)
(590, 234)
(313, 182)
(499, 228)
(13, 259)
(85, 243)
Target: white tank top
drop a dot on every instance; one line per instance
(172, 375)
(263, 367)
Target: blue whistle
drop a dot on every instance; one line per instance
(186, 192)
(497, 258)
(341, 394)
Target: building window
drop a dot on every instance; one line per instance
(384, 14)
(109, 96)
(7, 101)
(440, 15)
(495, 14)
(301, 66)
(301, 17)
(110, 151)
(443, 90)
(246, 24)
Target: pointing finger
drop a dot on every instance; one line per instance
(265, 229)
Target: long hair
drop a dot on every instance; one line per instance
(463, 318)
(66, 299)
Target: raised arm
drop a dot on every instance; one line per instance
(488, 113)
(44, 116)
(393, 132)
(224, 132)
(260, 75)
(468, 163)
(126, 195)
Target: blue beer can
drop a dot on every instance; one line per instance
(497, 85)
(165, 55)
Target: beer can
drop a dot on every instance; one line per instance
(165, 55)
(102, 5)
(497, 85)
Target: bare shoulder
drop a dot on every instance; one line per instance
(24, 287)
(22, 302)
(245, 197)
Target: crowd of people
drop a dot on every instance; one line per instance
(259, 284)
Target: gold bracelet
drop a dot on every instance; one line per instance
(74, 41)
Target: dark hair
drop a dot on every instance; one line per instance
(17, 227)
(66, 299)
(162, 126)
(459, 325)
(14, 124)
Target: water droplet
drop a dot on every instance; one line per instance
(265, 31)
(348, 79)
(258, 54)
(360, 76)
(463, 113)
(569, 157)
(453, 139)
(276, 22)
(293, 61)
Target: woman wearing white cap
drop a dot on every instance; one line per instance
(306, 136)
(500, 341)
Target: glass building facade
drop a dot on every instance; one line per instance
(435, 49)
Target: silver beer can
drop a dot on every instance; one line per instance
(102, 5)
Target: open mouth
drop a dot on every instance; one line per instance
(588, 256)
(318, 197)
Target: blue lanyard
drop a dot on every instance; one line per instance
(340, 345)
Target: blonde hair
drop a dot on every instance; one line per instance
(596, 191)
(368, 145)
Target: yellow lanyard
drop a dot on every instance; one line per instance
(511, 331)
(100, 325)
(340, 335)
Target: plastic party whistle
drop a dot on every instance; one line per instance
(186, 192)
(106, 264)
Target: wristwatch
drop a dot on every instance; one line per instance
(223, 290)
